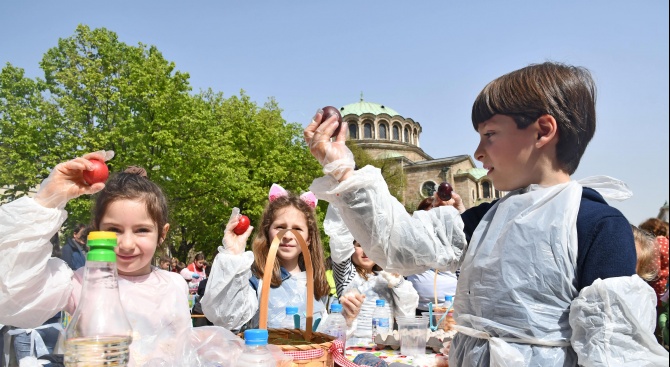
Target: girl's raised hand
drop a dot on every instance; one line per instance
(66, 181)
(351, 304)
(336, 159)
(233, 242)
(456, 201)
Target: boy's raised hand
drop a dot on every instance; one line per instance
(66, 181)
(336, 159)
(233, 242)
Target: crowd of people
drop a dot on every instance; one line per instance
(527, 272)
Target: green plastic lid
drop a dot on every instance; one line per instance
(102, 246)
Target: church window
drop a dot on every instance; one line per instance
(382, 131)
(428, 188)
(367, 131)
(396, 133)
(486, 188)
(406, 135)
(353, 130)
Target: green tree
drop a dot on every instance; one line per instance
(391, 168)
(207, 152)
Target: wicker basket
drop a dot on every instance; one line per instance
(308, 348)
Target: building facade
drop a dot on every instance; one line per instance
(385, 134)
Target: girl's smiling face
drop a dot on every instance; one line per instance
(137, 235)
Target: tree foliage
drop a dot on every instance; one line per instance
(207, 152)
(391, 168)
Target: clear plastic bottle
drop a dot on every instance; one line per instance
(381, 319)
(448, 301)
(287, 322)
(256, 353)
(336, 325)
(99, 333)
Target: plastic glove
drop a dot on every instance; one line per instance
(66, 181)
(351, 302)
(393, 279)
(336, 159)
(195, 276)
(231, 241)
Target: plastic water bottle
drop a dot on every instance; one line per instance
(337, 325)
(381, 319)
(448, 301)
(256, 353)
(99, 333)
(287, 322)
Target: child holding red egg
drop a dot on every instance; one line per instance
(36, 285)
(233, 289)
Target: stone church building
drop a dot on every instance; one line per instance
(385, 134)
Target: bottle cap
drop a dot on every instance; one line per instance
(448, 298)
(255, 337)
(381, 302)
(335, 307)
(102, 246)
(291, 310)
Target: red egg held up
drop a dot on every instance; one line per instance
(99, 173)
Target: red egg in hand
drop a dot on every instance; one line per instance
(99, 173)
(329, 111)
(444, 191)
(242, 225)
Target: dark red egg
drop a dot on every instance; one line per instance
(329, 111)
(444, 191)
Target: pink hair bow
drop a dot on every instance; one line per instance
(277, 191)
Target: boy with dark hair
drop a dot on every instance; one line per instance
(534, 264)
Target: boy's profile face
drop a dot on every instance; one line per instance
(507, 152)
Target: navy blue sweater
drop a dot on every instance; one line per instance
(605, 244)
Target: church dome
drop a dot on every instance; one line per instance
(363, 107)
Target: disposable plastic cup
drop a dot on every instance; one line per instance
(437, 316)
(413, 333)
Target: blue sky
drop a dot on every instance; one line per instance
(427, 60)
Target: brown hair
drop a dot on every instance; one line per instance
(364, 273)
(647, 254)
(426, 204)
(261, 244)
(132, 184)
(655, 226)
(199, 256)
(565, 92)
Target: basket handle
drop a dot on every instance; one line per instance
(267, 279)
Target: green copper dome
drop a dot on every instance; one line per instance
(363, 107)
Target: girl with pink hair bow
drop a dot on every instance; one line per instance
(235, 281)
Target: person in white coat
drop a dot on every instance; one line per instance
(547, 272)
(34, 286)
(352, 269)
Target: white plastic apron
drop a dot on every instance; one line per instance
(292, 292)
(518, 278)
(36, 342)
